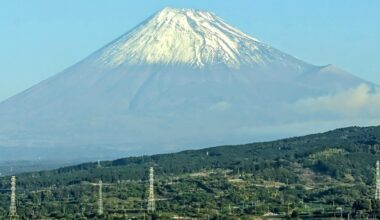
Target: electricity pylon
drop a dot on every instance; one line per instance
(377, 193)
(151, 200)
(100, 198)
(12, 208)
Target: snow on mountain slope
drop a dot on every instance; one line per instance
(191, 37)
(182, 78)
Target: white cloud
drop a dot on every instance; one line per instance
(359, 102)
(359, 106)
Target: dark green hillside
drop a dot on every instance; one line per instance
(313, 174)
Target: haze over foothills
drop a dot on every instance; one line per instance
(182, 78)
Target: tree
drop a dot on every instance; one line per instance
(295, 214)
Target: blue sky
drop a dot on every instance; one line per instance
(39, 38)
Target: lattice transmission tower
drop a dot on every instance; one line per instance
(12, 208)
(377, 193)
(151, 200)
(100, 198)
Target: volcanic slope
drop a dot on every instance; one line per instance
(182, 78)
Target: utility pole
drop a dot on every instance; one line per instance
(12, 208)
(151, 200)
(100, 198)
(377, 193)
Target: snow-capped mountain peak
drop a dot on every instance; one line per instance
(137, 95)
(189, 37)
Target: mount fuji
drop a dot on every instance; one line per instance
(181, 79)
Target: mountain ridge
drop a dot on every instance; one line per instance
(309, 172)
